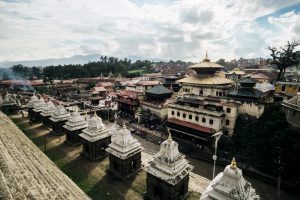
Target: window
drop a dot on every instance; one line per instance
(201, 93)
(227, 122)
(172, 112)
(298, 89)
(197, 118)
(220, 93)
(283, 88)
(178, 114)
(190, 117)
(228, 110)
(184, 115)
(203, 120)
(211, 121)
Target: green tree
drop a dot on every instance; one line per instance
(284, 57)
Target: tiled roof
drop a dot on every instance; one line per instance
(147, 83)
(246, 92)
(159, 90)
(192, 125)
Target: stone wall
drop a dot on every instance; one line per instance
(26, 172)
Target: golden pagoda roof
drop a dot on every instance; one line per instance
(205, 80)
(206, 64)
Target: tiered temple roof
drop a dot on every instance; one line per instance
(168, 164)
(60, 114)
(124, 145)
(230, 185)
(32, 101)
(96, 130)
(48, 109)
(206, 74)
(27, 173)
(76, 122)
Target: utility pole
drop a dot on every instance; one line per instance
(217, 137)
(279, 173)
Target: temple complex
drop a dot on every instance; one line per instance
(74, 127)
(58, 118)
(201, 108)
(95, 139)
(230, 185)
(8, 105)
(38, 107)
(48, 110)
(168, 173)
(124, 154)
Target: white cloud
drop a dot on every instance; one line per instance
(35, 29)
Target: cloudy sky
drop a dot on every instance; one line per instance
(164, 29)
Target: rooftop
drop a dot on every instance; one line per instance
(159, 89)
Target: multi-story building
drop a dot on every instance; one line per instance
(286, 90)
(201, 109)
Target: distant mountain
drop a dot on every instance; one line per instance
(77, 59)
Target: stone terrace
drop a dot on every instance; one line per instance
(27, 173)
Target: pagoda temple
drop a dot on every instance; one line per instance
(95, 139)
(9, 104)
(58, 119)
(168, 173)
(251, 99)
(124, 154)
(201, 108)
(74, 127)
(37, 109)
(48, 110)
(230, 185)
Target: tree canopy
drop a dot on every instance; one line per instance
(284, 57)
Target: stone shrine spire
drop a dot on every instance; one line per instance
(168, 164)
(60, 114)
(230, 185)
(96, 130)
(48, 109)
(76, 122)
(32, 101)
(124, 145)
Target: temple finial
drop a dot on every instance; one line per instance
(124, 125)
(233, 164)
(170, 136)
(206, 57)
(95, 115)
